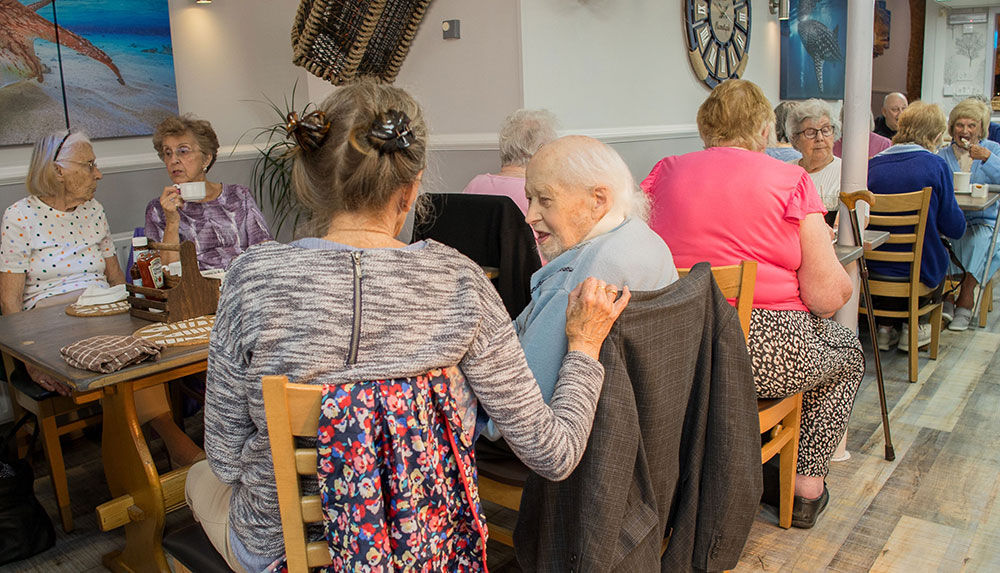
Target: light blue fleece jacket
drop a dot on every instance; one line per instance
(630, 254)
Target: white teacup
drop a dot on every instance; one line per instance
(979, 190)
(193, 191)
(962, 181)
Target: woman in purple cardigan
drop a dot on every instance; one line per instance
(224, 223)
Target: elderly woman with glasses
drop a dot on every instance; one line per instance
(224, 223)
(55, 243)
(813, 128)
(972, 152)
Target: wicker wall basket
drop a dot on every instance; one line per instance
(340, 40)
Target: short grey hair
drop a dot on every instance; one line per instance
(43, 179)
(523, 132)
(598, 165)
(810, 109)
(780, 115)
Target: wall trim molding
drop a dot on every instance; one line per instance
(485, 141)
(488, 141)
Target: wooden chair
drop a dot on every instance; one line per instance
(293, 411)
(57, 416)
(501, 484)
(894, 211)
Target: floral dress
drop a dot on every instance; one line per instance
(397, 475)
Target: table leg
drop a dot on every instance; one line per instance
(986, 272)
(129, 469)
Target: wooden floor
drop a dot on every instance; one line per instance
(935, 508)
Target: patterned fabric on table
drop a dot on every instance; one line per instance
(109, 353)
(397, 475)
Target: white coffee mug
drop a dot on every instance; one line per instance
(193, 191)
(979, 190)
(961, 180)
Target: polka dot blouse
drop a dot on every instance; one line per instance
(59, 252)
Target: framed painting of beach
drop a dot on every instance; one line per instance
(813, 42)
(111, 74)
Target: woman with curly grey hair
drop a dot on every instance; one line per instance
(812, 128)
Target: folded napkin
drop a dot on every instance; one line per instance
(101, 295)
(109, 353)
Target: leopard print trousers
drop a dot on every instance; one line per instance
(794, 351)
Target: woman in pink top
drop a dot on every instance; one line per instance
(521, 135)
(731, 202)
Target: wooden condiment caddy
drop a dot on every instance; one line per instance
(193, 295)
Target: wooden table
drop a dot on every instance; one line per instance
(142, 495)
(970, 203)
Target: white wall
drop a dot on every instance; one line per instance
(948, 76)
(889, 69)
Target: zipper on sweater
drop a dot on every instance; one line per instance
(352, 353)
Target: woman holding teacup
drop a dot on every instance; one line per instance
(971, 152)
(221, 219)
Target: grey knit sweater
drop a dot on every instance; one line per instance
(291, 310)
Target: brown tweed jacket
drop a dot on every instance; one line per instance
(674, 450)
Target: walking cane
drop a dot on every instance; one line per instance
(850, 199)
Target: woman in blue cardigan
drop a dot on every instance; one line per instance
(971, 151)
(910, 165)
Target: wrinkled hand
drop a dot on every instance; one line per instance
(590, 313)
(979, 152)
(171, 201)
(48, 382)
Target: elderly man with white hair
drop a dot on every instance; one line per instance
(887, 123)
(590, 218)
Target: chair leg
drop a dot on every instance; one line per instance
(935, 330)
(57, 469)
(786, 484)
(914, 351)
(985, 306)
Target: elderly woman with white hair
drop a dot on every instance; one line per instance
(971, 151)
(812, 129)
(55, 243)
(521, 135)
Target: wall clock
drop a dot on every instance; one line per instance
(718, 38)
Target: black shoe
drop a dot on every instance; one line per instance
(805, 512)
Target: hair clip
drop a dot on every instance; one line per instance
(309, 131)
(392, 130)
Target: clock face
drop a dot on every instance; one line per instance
(718, 38)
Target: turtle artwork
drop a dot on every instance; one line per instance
(105, 67)
(21, 25)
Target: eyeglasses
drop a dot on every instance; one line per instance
(181, 153)
(811, 132)
(92, 164)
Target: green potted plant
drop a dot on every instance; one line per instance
(271, 175)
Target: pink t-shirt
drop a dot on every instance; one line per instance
(489, 184)
(724, 205)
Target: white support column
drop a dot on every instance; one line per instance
(857, 102)
(854, 172)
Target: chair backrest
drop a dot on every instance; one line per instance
(736, 282)
(897, 213)
(293, 411)
(490, 230)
